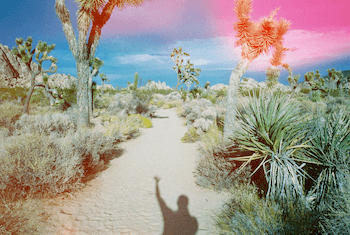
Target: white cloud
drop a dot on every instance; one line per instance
(140, 58)
(200, 62)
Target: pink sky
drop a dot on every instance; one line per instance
(320, 30)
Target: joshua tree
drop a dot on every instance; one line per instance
(292, 79)
(103, 80)
(84, 48)
(25, 53)
(185, 73)
(255, 38)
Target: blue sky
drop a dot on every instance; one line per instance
(142, 39)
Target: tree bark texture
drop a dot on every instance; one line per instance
(178, 82)
(83, 90)
(232, 97)
(30, 92)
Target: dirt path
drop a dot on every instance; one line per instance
(122, 199)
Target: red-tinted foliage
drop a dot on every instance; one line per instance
(258, 37)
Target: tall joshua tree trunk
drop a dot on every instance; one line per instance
(232, 96)
(83, 91)
(83, 49)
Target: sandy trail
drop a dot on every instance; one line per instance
(122, 199)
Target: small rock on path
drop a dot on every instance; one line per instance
(122, 199)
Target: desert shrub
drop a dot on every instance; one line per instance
(209, 114)
(202, 125)
(68, 94)
(247, 213)
(190, 136)
(128, 127)
(172, 104)
(9, 114)
(214, 169)
(129, 104)
(49, 124)
(175, 95)
(160, 103)
(102, 101)
(221, 94)
(39, 98)
(315, 96)
(308, 106)
(196, 91)
(11, 94)
(24, 217)
(146, 123)
(33, 163)
(90, 145)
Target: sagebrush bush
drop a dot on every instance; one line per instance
(90, 145)
(129, 104)
(126, 126)
(24, 217)
(9, 114)
(214, 169)
(48, 124)
(40, 162)
(33, 163)
(102, 101)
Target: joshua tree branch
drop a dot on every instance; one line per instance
(63, 13)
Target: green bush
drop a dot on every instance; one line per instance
(13, 94)
(145, 121)
(69, 95)
(39, 98)
(191, 136)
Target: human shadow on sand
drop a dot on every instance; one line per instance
(179, 222)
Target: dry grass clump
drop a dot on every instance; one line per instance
(57, 124)
(22, 217)
(214, 168)
(49, 154)
(124, 127)
(9, 114)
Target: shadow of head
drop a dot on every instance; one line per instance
(182, 202)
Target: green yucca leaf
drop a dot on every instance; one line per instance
(330, 151)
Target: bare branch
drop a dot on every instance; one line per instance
(63, 13)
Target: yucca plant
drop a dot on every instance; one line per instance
(271, 126)
(330, 151)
